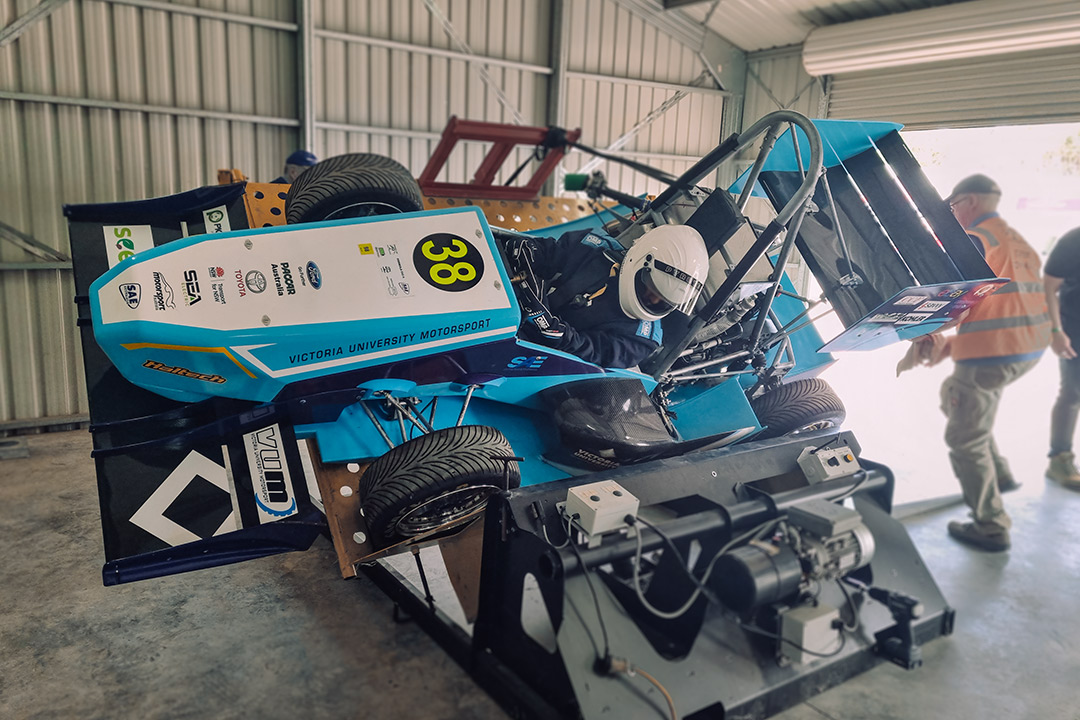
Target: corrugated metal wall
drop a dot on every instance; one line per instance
(776, 81)
(126, 99)
(605, 39)
(105, 101)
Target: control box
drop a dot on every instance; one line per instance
(823, 518)
(820, 464)
(809, 627)
(600, 507)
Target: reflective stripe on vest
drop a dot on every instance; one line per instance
(1014, 320)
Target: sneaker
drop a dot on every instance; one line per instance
(968, 532)
(1063, 470)
(1008, 484)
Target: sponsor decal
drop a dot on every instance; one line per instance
(382, 251)
(359, 346)
(163, 293)
(183, 372)
(314, 275)
(448, 262)
(985, 290)
(527, 363)
(405, 288)
(912, 318)
(218, 291)
(217, 220)
(191, 287)
(132, 294)
(910, 300)
(283, 279)
(951, 293)
(270, 477)
(932, 306)
(152, 514)
(886, 317)
(123, 241)
(240, 285)
(216, 272)
(255, 281)
(366, 249)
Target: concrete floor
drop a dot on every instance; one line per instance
(286, 637)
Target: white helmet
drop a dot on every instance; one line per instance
(663, 271)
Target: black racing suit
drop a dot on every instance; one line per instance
(581, 289)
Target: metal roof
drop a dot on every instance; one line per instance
(754, 25)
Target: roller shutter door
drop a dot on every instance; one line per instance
(1040, 86)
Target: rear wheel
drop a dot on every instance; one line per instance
(799, 407)
(434, 480)
(353, 185)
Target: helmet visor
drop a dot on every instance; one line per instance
(671, 287)
(647, 294)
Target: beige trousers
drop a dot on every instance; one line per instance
(969, 399)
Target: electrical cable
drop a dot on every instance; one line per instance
(854, 488)
(797, 646)
(663, 691)
(851, 605)
(672, 615)
(668, 541)
(543, 527)
(596, 600)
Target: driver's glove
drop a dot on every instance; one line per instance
(520, 250)
(539, 324)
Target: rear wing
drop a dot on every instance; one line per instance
(879, 239)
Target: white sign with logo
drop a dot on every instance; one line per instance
(430, 265)
(217, 220)
(270, 478)
(123, 241)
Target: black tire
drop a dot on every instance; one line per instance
(354, 185)
(798, 407)
(430, 467)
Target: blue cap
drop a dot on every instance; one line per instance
(303, 158)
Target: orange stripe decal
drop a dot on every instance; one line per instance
(187, 348)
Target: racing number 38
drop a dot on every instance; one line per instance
(448, 262)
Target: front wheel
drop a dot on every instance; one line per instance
(798, 407)
(350, 186)
(434, 480)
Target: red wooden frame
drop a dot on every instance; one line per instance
(504, 138)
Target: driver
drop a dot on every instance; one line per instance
(604, 309)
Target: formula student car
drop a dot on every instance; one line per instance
(255, 387)
(351, 322)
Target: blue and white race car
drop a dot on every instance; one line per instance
(388, 336)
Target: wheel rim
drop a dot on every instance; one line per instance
(444, 509)
(813, 427)
(363, 209)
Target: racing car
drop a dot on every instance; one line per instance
(389, 333)
(344, 356)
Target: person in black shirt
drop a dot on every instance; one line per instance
(1061, 281)
(600, 305)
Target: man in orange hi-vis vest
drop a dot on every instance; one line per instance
(998, 341)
